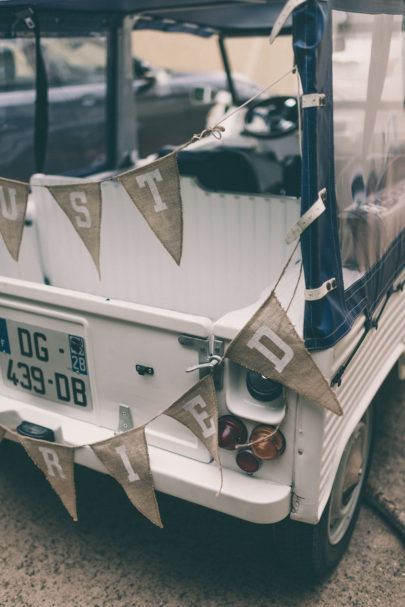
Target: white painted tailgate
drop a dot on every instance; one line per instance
(118, 336)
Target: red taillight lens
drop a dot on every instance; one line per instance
(248, 462)
(267, 442)
(231, 432)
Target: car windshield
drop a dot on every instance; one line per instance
(187, 90)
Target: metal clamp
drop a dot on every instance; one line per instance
(324, 289)
(313, 100)
(26, 16)
(125, 421)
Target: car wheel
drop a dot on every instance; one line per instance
(316, 549)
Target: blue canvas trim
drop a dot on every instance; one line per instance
(375, 283)
(327, 320)
(366, 294)
(320, 242)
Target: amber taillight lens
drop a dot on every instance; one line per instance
(231, 432)
(267, 442)
(247, 461)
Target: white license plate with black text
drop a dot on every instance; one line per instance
(43, 362)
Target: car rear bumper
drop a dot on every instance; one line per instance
(251, 499)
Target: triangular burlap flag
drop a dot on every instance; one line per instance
(155, 191)
(13, 207)
(198, 410)
(57, 463)
(127, 460)
(269, 344)
(82, 204)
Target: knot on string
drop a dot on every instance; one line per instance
(216, 131)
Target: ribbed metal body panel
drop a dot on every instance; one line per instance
(360, 382)
(233, 248)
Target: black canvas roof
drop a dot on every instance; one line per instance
(229, 17)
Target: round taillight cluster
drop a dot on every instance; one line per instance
(265, 442)
(262, 388)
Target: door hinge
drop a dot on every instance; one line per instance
(124, 419)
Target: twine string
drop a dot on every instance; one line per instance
(217, 130)
(292, 70)
(259, 440)
(270, 434)
(295, 288)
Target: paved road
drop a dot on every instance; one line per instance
(114, 557)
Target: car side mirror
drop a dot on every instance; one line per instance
(203, 95)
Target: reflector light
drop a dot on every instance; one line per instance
(231, 432)
(247, 461)
(271, 445)
(262, 388)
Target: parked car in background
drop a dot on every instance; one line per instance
(170, 106)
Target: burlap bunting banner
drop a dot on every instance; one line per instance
(198, 410)
(127, 460)
(82, 204)
(155, 191)
(13, 207)
(270, 345)
(57, 463)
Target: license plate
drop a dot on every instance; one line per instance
(45, 363)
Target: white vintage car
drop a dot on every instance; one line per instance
(237, 301)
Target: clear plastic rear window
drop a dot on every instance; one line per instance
(369, 136)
